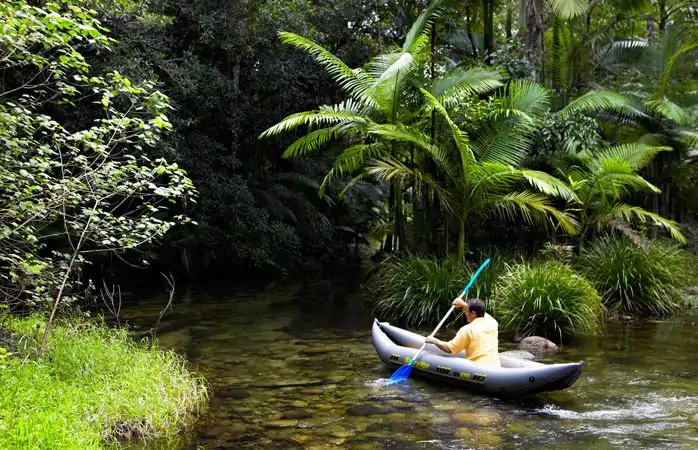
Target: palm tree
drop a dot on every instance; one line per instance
(480, 177)
(600, 181)
(379, 116)
(663, 105)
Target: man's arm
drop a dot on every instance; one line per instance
(439, 343)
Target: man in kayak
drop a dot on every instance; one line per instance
(479, 338)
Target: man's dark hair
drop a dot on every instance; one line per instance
(476, 306)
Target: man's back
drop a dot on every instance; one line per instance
(480, 340)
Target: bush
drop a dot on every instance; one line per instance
(644, 281)
(419, 291)
(546, 299)
(93, 384)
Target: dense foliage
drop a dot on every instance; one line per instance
(432, 127)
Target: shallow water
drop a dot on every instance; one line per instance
(295, 368)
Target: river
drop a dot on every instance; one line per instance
(295, 368)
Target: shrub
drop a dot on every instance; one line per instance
(643, 281)
(547, 299)
(418, 291)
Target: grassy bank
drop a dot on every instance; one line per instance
(93, 386)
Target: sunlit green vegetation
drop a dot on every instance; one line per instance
(93, 386)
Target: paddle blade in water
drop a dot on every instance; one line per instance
(401, 374)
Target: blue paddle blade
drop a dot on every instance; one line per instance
(401, 374)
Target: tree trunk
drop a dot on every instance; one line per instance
(388, 245)
(509, 19)
(468, 24)
(460, 254)
(533, 41)
(488, 21)
(399, 219)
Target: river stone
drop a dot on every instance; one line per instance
(538, 345)
(367, 410)
(464, 433)
(484, 438)
(282, 423)
(301, 438)
(480, 418)
(520, 354)
(299, 404)
(695, 418)
(296, 414)
(232, 393)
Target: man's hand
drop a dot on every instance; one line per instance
(431, 340)
(458, 303)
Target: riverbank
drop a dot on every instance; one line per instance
(94, 385)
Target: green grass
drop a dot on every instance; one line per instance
(642, 281)
(91, 379)
(546, 299)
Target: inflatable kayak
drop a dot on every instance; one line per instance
(516, 377)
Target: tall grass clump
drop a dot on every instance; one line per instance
(546, 299)
(92, 386)
(644, 281)
(415, 291)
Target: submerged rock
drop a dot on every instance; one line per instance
(367, 410)
(520, 354)
(538, 345)
(296, 414)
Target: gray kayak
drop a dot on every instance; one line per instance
(517, 377)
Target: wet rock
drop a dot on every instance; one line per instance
(232, 393)
(296, 414)
(520, 354)
(538, 345)
(301, 438)
(464, 433)
(319, 350)
(282, 423)
(299, 404)
(695, 418)
(367, 410)
(480, 418)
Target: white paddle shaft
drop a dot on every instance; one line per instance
(460, 297)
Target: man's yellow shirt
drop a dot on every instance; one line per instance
(480, 340)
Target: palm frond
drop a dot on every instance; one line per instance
(459, 84)
(504, 142)
(534, 208)
(459, 136)
(526, 99)
(388, 169)
(313, 141)
(402, 133)
(548, 184)
(318, 118)
(354, 81)
(351, 160)
(390, 65)
(636, 155)
(671, 65)
(634, 214)
(620, 53)
(594, 101)
(421, 26)
(669, 110)
(568, 9)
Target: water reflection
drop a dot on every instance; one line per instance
(289, 370)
